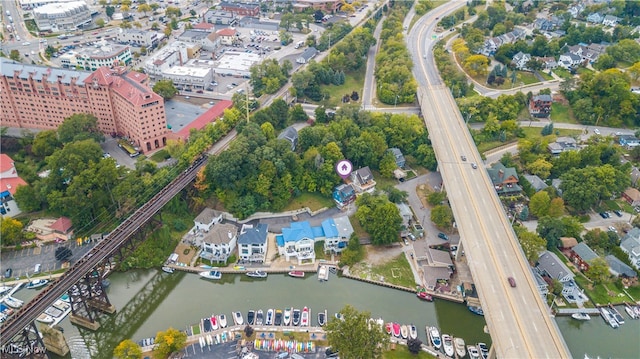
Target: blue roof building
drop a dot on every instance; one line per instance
(344, 195)
(298, 240)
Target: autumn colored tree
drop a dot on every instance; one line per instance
(127, 349)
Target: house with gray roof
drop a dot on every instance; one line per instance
(618, 268)
(290, 134)
(556, 183)
(581, 255)
(206, 219)
(306, 55)
(543, 287)
(635, 175)
(405, 213)
(362, 180)
(219, 243)
(562, 144)
(252, 243)
(520, 60)
(551, 266)
(400, 160)
(595, 18)
(536, 182)
(610, 20)
(630, 244)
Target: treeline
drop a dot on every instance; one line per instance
(393, 62)
(269, 76)
(454, 79)
(260, 173)
(348, 55)
(334, 33)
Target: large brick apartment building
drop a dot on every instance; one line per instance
(42, 97)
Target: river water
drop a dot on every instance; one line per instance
(148, 301)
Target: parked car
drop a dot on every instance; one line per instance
(604, 215)
(412, 237)
(618, 213)
(8, 273)
(512, 282)
(612, 229)
(443, 236)
(596, 131)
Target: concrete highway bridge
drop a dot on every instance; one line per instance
(519, 321)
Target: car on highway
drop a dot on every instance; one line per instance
(474, 166)
(463, 157)
(443, 236)
(512, 282)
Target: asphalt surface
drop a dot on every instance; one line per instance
(518, 319)
(230, 351)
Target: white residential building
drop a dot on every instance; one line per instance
(206, 219)
(252, 243)
(175, 55)
(139, 37)
(61, 16)
(630, 244)
(92, 58)
(220, 242)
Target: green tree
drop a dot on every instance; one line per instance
(170, 341)
(354, 337)
(172, 11)
(442, 216)
(551, 229)
(436, 198)
(165, 89)
(14, 55)
(28, 198)
(388, 165)
(540, 168)
(100, 22)
(583, 188)
(539, 204)
(109, 11)
(395, 195)
(10, 231)
(423, 6)
(531, 243)
(556, 207)
(144, 8)
(45, 143)
(80, 127)
(127, 349)
(598, 271)
(379, 217)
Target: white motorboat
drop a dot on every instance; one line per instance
(257, 274)
(404, 331)
(213, 274)
(45, 318)
(484, 350)
(13, 302)
(237, 318)
(631, 311)
(223, 321)
(447, 344)
(580, 316)
(304, 319)
(473, 352)
(322, 318)
(269, 319)
(167, 269)
(413, 331)
(606, 315)
(38, 283)
(4, 289)
(458, 343)
(434, 336)
(287, 317)
(259, 317)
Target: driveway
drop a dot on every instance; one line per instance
(595, 221)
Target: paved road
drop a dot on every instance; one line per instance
(518, 319)
(368, 92)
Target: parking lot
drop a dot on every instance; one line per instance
(229, 351)
(23, 261)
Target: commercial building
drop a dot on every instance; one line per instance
(42, 97)
(176, 54)
(329, 6)
(92, 58)
(32, 4)
(139, 37)
(220, 17)
(62, 16)
(235, 63)
(192, 77)
(242, 9)
(206, 40)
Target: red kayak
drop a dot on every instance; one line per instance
(388, 328)
(425, 296)
(396, 330)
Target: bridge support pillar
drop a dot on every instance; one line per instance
(26, 344)
(54, 341)
(83, 322)
(88, 299)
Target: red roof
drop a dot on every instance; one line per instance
(227, 32)
(62, 225)
(11, 184)
(130, 86)
(6, 163)
(210, 115)
(203, 26)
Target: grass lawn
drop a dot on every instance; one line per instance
(357, 228)
(565, 74)
(562, 113)
(522, 77)
(487, 146)
(526, 77)
(545, 75)
(354, 81)
(195, 329)
(534, 132)
(612, 204)
(318, 247)
(397, 271)
(314, 201)
(160, 156)
(402, 352)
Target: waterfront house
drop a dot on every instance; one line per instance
(397, 154)
(630, 244)
(632, 196)
(252, 243)
(337, 232)
(628, 141)
(290, 134)
(541, 284)
(551, 266)
(362, 180)
(344, 195)
(540, 106)
(48, 230)
(619, 269)
(581, 255)
(433, 275)
(536, 182)
(297, 242)
(206, 219)
(219, 243)
(504, 179)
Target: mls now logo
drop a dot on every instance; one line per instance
(13, 349)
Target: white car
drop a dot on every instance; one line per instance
(26, 43)
(596, 131)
